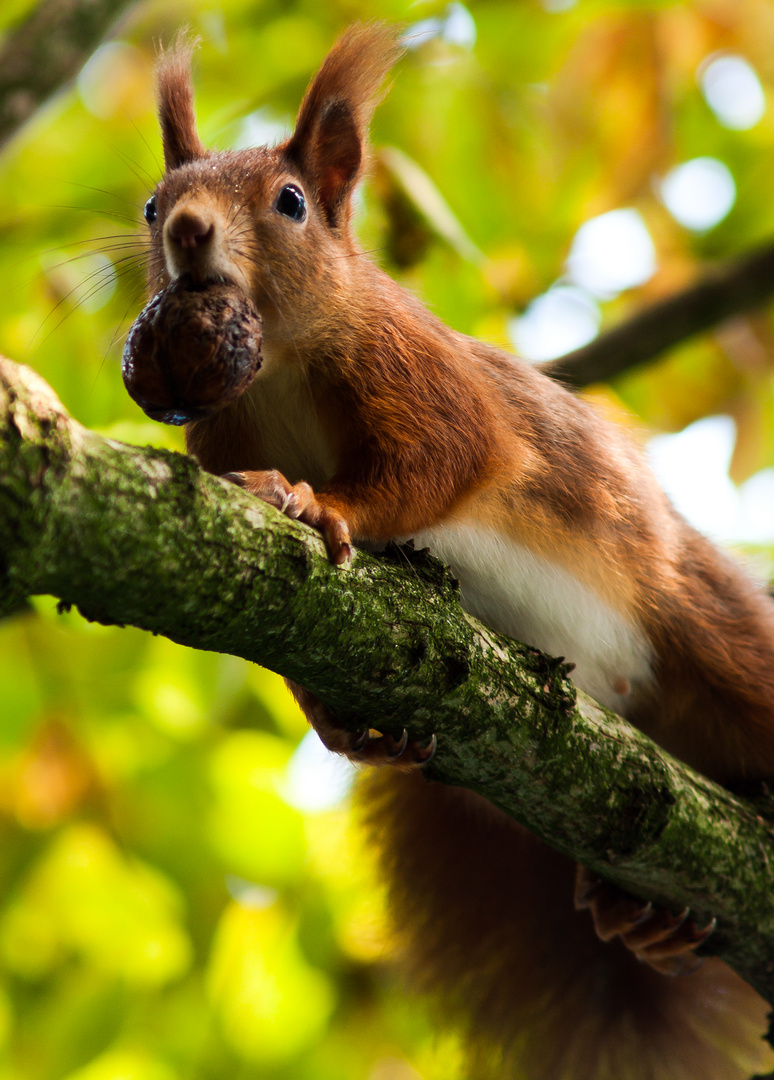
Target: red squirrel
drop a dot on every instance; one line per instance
(372, 420)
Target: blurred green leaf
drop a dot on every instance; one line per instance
(124, 1065)
(252, 829)
(270, 1002)
(85, 898)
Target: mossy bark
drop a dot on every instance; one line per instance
(144, 537)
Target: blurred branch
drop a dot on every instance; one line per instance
(143, 536)
(44, 52)
(737, 287)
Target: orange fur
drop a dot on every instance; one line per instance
(176, 109)
(404, 425)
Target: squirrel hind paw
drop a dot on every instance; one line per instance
(659, 938)
(402, 753)
(372, 748)
(364, 747)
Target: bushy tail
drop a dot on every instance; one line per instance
(485, 920)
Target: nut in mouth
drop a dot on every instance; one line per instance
(192, 350)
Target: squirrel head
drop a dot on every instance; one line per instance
(274, 221)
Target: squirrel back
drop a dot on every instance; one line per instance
(560, 536)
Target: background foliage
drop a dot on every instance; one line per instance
(171, 904)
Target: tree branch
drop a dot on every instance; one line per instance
(143, 536)
(45, 51)
(736, 287)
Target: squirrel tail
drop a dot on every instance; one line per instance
(484, 919)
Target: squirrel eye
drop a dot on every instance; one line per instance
(149, 213)
(291, 203)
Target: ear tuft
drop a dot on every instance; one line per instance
(175, 104)
(329, 143)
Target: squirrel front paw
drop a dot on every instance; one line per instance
(299, 501)
(361, 747)
(664, 941)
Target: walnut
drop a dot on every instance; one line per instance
(191, 351)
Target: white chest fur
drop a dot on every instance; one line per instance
(519, 593)
(282, 410)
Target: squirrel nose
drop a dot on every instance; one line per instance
(190, 228)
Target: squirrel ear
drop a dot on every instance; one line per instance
(329, 143)
(175, 102)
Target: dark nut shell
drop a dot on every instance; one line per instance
(191, 351)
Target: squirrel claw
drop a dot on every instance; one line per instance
(360, 741)
(428, 753)
(344, 557)
(400, 746)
